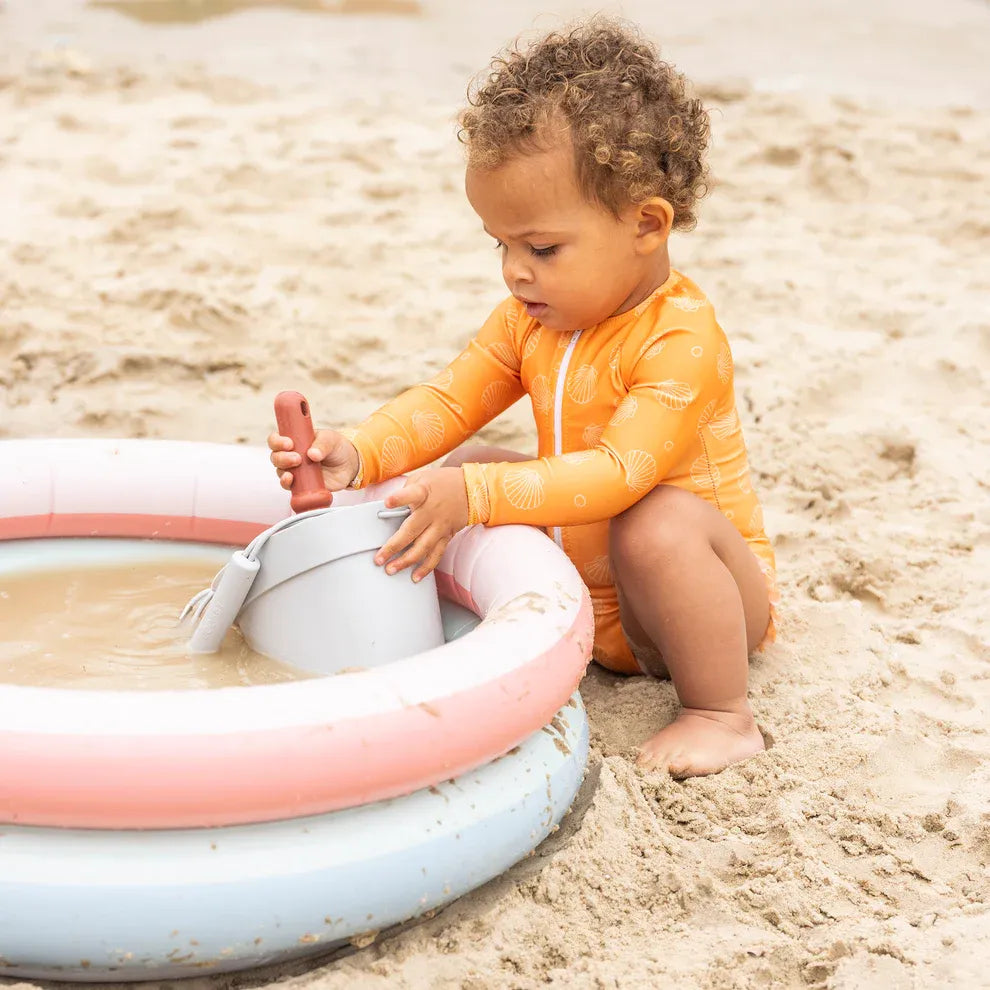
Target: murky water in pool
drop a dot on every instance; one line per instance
(188, 11)
(115, 626)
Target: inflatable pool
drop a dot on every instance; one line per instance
(164, 833)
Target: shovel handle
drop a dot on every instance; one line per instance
(293, 420)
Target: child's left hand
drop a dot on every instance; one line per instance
(439, 504)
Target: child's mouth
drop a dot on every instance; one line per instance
(535, 308)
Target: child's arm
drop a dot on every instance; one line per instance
(423, 423)
(430, 420)
(674, 395)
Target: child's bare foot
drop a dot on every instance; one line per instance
(699, 742)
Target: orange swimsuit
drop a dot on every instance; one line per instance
(642, 399)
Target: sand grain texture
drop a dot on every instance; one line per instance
(181, 239)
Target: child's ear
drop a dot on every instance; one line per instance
(654, 220)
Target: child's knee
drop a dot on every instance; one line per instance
(653, 529)
(473, 453)
(480, 453)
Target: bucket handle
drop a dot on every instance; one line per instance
(399, 513)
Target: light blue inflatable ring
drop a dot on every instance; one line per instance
(94, 905)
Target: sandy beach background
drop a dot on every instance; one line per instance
(196, 215)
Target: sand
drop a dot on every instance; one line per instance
(192, 218)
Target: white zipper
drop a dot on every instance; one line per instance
(558, 407)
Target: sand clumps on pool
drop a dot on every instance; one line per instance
(188, 239)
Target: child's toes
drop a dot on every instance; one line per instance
(695, 744)
(680, 765)
(658, 757)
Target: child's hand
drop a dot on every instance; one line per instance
(337, 455)
(439, 506)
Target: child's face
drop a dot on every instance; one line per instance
(571, 261)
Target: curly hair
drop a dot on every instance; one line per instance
(635, 130)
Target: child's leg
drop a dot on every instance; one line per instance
(694, 603)
(479, 453)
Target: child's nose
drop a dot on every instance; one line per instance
(515, 270)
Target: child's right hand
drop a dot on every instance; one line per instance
(335, 453)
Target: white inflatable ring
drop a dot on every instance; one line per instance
(140, 905)
(178, 759)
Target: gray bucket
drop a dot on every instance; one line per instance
(321, 603)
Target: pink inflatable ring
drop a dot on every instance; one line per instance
(176, 759)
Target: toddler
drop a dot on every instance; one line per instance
(584, 152)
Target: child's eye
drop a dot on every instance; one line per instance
(544, 252)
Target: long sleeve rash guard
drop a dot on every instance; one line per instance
(643, 398)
